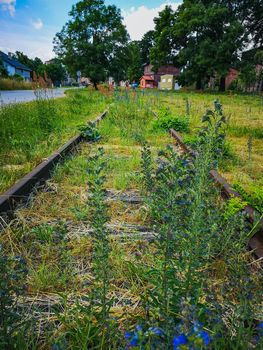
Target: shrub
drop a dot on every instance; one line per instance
(255, 199)
(89, 132)
(18, 77)
(167, 121)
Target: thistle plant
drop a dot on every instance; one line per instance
(98, 219)
(194, 229)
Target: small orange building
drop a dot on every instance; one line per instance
(147, 82)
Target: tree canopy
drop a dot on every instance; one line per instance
(56, 71)
(206, 37)
(92, 39)
(3, 71)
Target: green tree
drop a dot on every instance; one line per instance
(134, 71)
(146, 43)
(208, 37)
(251, 15)
(56, 71)
(23, 58)
(91, 39)
(35, 64)
(163, 53)
(3, 71)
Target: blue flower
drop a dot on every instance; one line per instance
(139, 328)
(260, 328)
(205, 336)
(128, 335)
(135, 340)
(179, 340)
(156, 330)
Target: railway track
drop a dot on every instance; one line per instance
(20, 192)
(60, 204)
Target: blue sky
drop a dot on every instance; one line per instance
(30, 25)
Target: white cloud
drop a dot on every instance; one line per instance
(140, 20)
(38, 24)
(25, 38)
(8, 5)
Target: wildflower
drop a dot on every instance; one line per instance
(156, 331)
(178, 341)
(139, 328)
(260, 329)
(128, 335)
(205, 337)
(135, 340)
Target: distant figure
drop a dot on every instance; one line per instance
(134, 85)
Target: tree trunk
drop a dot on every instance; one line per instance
(198, 84)
(95, 85)
(222, 86)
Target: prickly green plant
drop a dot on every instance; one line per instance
(212, 135)
(193, 236)
(98, 218)
(90, 132)
(88, 321)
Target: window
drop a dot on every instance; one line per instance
(169, 80)
(164, 80)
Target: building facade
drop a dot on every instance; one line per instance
(15, 67)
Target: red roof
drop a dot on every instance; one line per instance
(147, 77)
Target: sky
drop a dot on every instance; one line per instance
(30, 25)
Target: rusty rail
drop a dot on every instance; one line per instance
(256, 242)
(20, 192)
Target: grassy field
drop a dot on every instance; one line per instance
(30, 132)
(131, 247)
(243, 164)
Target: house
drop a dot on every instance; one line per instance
(167, 82)
(147, 82)
(163, 70)
(15, 67)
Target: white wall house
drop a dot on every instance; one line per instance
(15, 67)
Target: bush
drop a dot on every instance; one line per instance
(18, 77)
(180, 124)
(167, 121)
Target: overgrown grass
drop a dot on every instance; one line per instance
(244, 115)
(29, 132)
(12, 84)
(188, 284)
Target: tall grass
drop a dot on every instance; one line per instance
(12, 84)
(31, 131)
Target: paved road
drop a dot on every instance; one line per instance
(27, 95)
